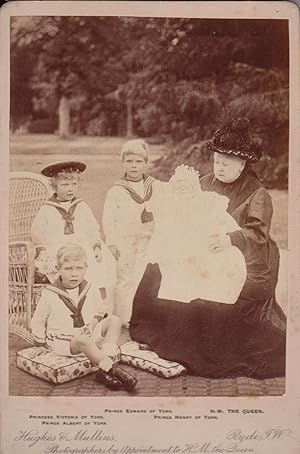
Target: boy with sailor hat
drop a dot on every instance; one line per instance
(66, 217)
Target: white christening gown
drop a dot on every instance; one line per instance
(180, 243)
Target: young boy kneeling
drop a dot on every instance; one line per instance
(71, 319)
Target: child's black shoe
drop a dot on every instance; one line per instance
(128, 381)
(108, 379)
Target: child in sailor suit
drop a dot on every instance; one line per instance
(55, 319)
(69, 304)
(71, 318)
(66, 217)
(128, 223)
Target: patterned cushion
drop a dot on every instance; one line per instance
(149, 361)
(43, 363)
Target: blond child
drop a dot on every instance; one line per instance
(72, 319)
(128, 223)
(66, 217)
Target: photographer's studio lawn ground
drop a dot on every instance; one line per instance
(102, 156)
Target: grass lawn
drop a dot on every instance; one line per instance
(33, 151)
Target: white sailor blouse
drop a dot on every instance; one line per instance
(126, 212)
(54, 224)
(57, 313)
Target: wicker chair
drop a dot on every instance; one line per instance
(27, 193)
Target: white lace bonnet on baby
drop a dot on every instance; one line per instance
(188, 174)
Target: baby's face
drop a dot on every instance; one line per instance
(182, 186)
(67, 188)
(72, 272)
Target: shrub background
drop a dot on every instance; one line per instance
(169, 80)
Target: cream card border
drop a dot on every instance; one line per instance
(139, 431)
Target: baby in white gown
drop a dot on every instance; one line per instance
(185, 218)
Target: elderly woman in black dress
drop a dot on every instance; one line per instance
(213, 339)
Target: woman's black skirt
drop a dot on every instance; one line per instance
(210, 339)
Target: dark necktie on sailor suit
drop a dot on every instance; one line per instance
(67, 215)
(76, 311)
(146, 216)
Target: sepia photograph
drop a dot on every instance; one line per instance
(148, 206)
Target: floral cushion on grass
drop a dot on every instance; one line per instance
(43, 363)
(149, 361)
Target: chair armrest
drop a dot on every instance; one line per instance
(21, 257)
(21, 281)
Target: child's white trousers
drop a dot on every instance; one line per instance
(130, 268)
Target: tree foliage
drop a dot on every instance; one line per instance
(174, 76)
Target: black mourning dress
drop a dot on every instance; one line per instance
(213, 339)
